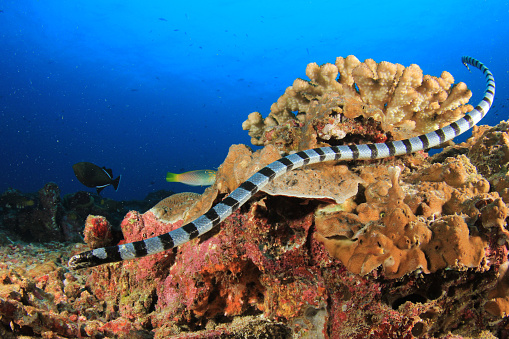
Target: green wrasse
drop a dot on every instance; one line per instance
(193, 178)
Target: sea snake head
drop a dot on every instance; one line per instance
(90, 258)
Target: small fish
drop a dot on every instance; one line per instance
(193, 178)
(92, 175)
(163, 19)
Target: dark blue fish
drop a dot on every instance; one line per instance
(92, 175)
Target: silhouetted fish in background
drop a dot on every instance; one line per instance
(92, 175)
(193, 178)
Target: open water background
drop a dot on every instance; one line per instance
(146, 87)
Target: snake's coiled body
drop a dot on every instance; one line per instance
(250, 187)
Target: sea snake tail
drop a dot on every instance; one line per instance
(219, 212)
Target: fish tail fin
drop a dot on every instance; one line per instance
(172, 177)
(116, 182)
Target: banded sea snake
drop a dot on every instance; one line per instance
(219, 212)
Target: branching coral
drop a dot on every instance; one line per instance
(403, 101)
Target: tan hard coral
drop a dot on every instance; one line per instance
(404, 226)
(399, 222)
(327, 182)
(489, 151)
(403, 101)
(385, 233)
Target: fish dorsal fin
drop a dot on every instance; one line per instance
(108, 171)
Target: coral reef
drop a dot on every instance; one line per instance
(35, 217)
(369, 101)
(325, 182)
(176, 207)
(419, 250)
(97, 232)
(408, 247)
(401, 232)
(45, 217)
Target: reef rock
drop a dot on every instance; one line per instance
(34, 217)
(97, 231)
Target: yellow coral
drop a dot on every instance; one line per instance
(403, 100)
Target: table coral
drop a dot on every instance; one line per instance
(329, 182)
(402, 101)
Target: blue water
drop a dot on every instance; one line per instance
(146, 87)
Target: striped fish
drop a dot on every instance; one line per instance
(251, 186)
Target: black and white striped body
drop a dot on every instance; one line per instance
(248, 189)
